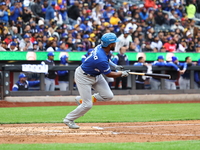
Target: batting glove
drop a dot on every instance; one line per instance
(118, 67)
(125, 73)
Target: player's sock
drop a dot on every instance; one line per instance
(81, 101)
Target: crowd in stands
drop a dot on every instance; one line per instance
(71, 25)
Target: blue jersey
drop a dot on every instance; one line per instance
(97, 63)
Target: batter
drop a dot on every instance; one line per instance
(89, 75)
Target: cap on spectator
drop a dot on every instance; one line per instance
(61, 42)
(175, 4)
(86, 36)
(51, 38)
(26, 36)
(160, 57)
(2, 3)
(40, 22)
(125, 3)
(22, 76)
(129, 12)
(53, 3)
(62, 6)
(50, 54)
(85, 4)
(14, 37)
(126, 31)
(188, 33)
(169, 38)
(106, 24)
(88, 11)
(35, 43)
(92, 35)
(174, 58)
(8, 34)
(149, 27)
(13, 44)
(108, 5)
(3, 42)
(133, 20)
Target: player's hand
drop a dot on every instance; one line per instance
(118, 67)
(125, 73)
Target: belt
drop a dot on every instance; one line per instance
(90, 75)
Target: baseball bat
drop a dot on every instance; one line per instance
(164, 76)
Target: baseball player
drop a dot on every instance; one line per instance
(63, 75)
(197, 77)
(22, 84)
(184, 80)
(89, 75)
(86, 55)
(155, 83)
(50, 77)
(170, 83)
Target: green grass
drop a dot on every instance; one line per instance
(175, 145)
(104, 113)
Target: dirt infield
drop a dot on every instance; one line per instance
(101, 132)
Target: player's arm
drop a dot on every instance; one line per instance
(15, 87)
(105, 69)
(117, 67)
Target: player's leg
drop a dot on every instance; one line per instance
(173, 86)
(117, 81)
(52, 85)
(124, 82)
(103, 89)
(47, 84)
(84, 85)
(155, 85)
(187, 84)
(167, 85)
(62, 85)
(181, 83)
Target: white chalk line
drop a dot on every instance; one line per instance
(100, 128)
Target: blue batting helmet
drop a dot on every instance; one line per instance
(108, 38)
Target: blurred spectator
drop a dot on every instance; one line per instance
(22, 84)
(114, 19)
(3, 46)
(170, 46)
(147, 48)
(86, 43)
(149, 3)
(13, 47)
(62, 47)
(140, 80)
(8, 38)
(73, 13)
(36, 9)
(51, 75)
(182, 46)
(25, 43)
(35, 46)
(121, 59)
(191, 10)
(156, 44)
(63, 75)
(15, 11)
(177, 26)
(3, 12)
(124, 41)
(27, 15)
(143, 14)
(50, 12)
